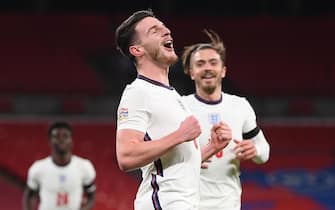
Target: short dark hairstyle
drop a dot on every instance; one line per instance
(59, 124)
(215, 44)
(125, 33)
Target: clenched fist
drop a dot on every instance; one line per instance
(190, 128)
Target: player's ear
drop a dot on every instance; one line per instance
(191, 72)
(136, 50)
(224, 71)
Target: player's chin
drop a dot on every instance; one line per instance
(209, 89)
(172, 58)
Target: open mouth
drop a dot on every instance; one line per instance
(168, 44)
(208, 76)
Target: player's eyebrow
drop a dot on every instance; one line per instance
(155, 26)
(213, 59)
(204, 60)
(200, 61)
(151, 28)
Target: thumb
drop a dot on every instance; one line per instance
(236, 141)
(215, 127)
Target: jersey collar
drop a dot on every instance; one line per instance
(154, 82)
(206, 101)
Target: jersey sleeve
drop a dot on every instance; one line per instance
(32, 179)
(262, 148)
(253, 132)
(89, 174)
(133, 112)
(249, 123)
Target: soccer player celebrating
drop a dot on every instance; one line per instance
(220, 186)
(155, 131)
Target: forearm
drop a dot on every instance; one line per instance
(29, 200)
(90, 201)
(207, 151)
(134, 154)
(28, 205)
(262, 147)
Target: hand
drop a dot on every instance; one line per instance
(223, 131)
(221, 135)
(190, 129)
(245, 149)
(204, 165)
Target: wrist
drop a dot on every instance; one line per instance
(177, 137)
(213, 148)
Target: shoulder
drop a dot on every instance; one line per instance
(138, 85)
(82, 162)
(188, 98)
(235, 99)
(136, 89)
(85, 166)
(43, 161)
(40, 164)
(241, 103)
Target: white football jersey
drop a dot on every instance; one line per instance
(60, 187)
(172, 181)
(220, 186)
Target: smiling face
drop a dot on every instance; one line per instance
(153, 41)
(207, 70)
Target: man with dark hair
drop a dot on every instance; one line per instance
(125, 33)
(220, 186)
(61, 180)
(155, 131)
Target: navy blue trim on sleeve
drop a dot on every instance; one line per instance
(251, 133)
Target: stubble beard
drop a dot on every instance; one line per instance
(171, 59)
(159, 56)
(209, 89)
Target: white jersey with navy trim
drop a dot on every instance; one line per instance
(172, 181)
(220, 186)
(61, 187)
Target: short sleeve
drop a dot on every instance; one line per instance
(133, 111)
(32, 180)
(89, 173)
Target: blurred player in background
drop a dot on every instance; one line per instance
(220, 186)
(62, 180)
(155, 131)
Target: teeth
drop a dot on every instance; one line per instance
(168, 44)
(208, 76)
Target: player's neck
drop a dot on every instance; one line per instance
(215, 96)
(155, 72)
(61, 159)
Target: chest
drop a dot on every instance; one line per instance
(210, 115)
(55, 179)
(167, 110)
